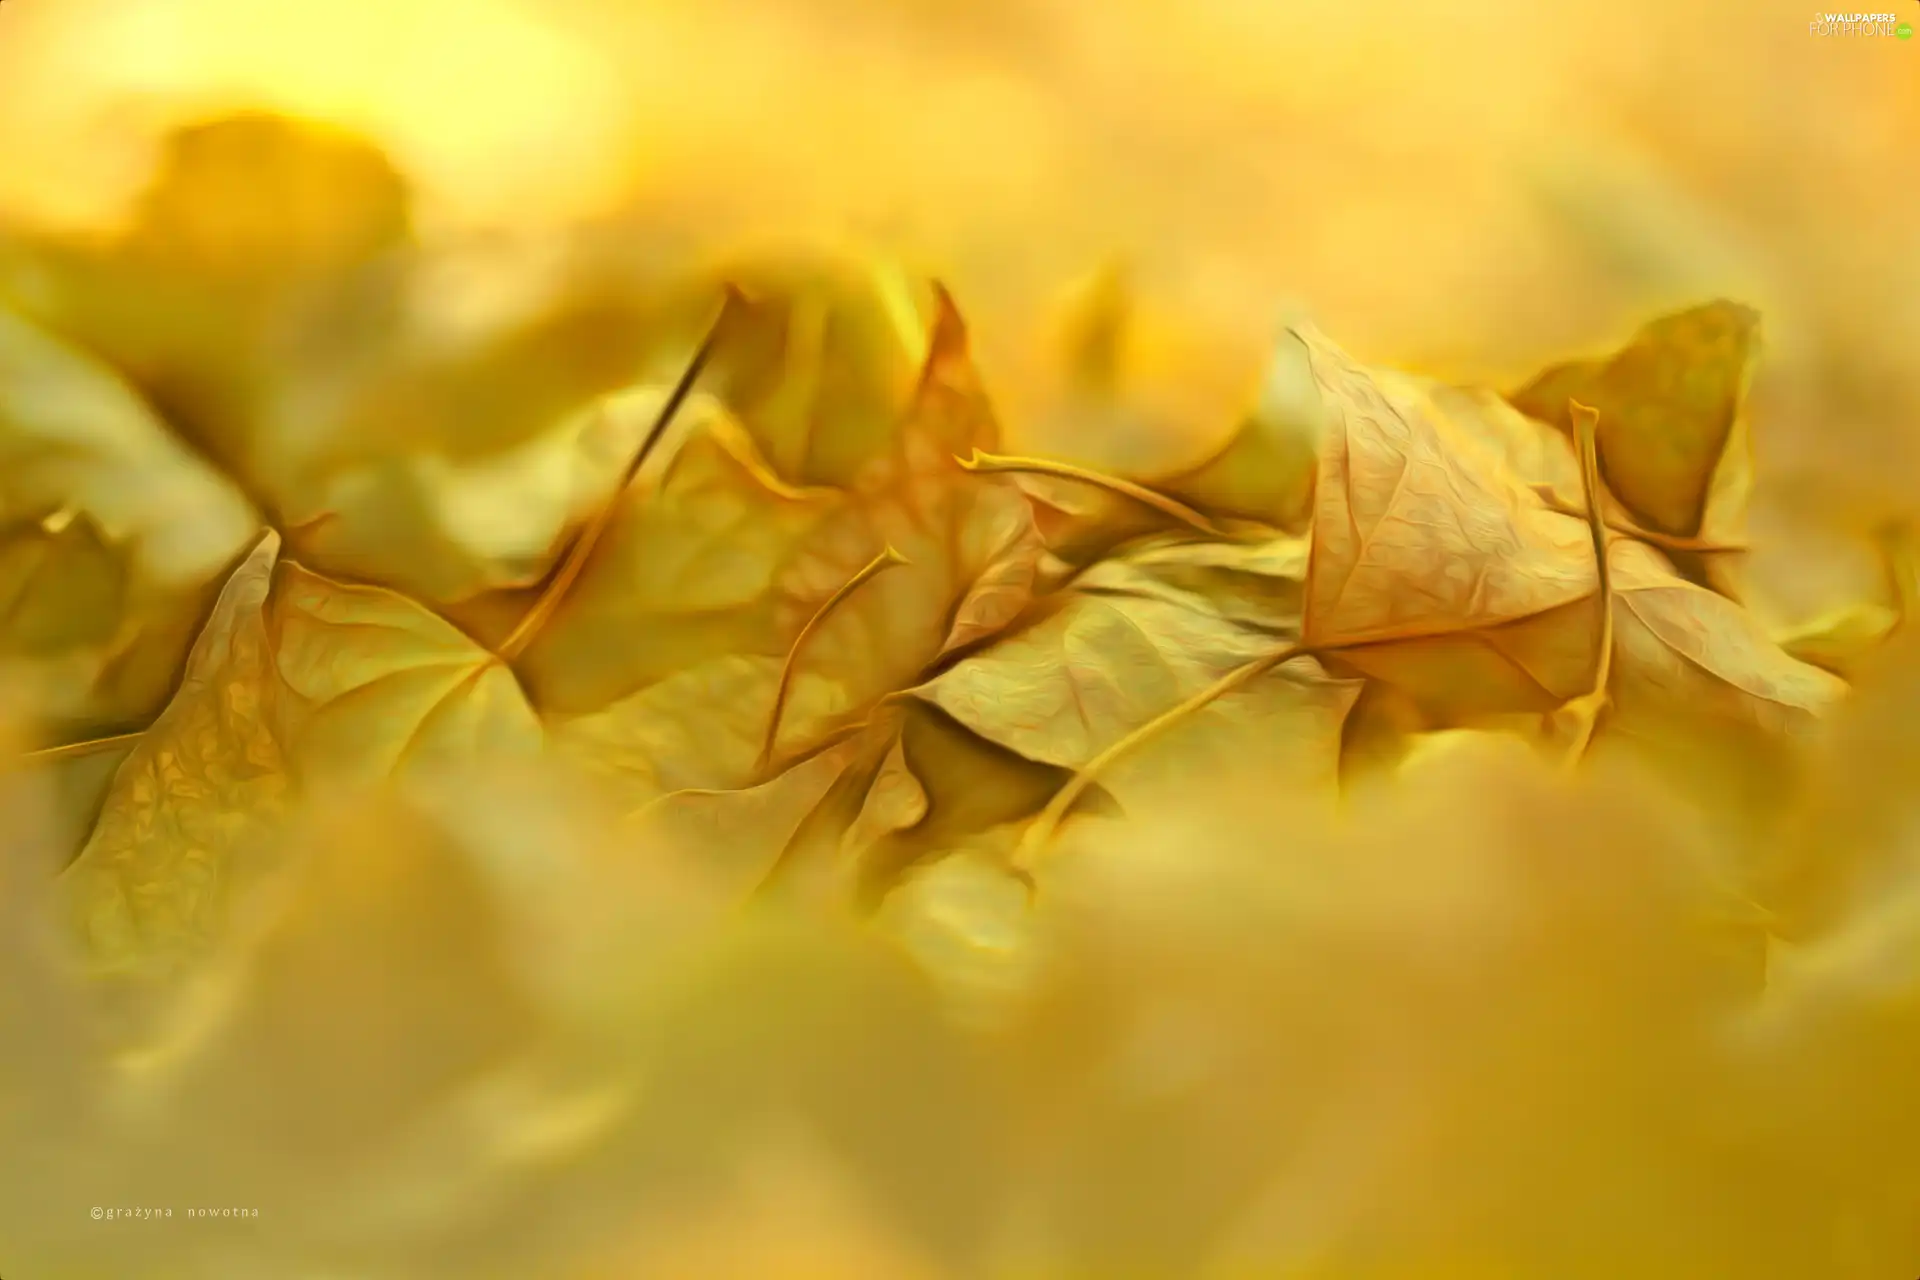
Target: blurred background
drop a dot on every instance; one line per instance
(1466, 189)
(1469, 190)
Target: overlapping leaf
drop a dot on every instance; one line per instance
(1129, 640)
(754, 618)
(113, 535)
(1675, 442)
(298, 683)
(821, 639)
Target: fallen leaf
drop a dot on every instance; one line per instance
(1120, 648)
(1415, 535)
(1433, 568)
(688, 571)
(826, 1031)
(1851, 841)
(357, 988)
(971, 554)
(1675, 447)
(967, 920)
(113, 537)
(734, 838)
(1684, 647)
(821, 365)
(940, 788)
(1847, 639)
(1093, 334)
(1701, 691)
(297, 683)
(150, 888)
(369, 684)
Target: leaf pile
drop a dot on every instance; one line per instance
(410, 716)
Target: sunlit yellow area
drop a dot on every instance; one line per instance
(1470, 186)
(958, 639)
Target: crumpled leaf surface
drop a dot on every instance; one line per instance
(760, 823)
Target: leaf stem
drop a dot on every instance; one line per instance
(1652, 537)
(1171, 507)
(887, 559)
(76, 750)
(1901, 565)
(1048, 820)
(1587, 708)
(574, 561)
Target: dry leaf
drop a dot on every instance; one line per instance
(297, 683)
(594, 830)
(822, 363)
(1675, 447)
(113, 536)
(1123, 646)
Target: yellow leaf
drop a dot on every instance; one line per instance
(689, 569)
(1692, 650)
(448, 529)
(1851, 843)
(113, 536)
(297, 682)
(1123, 646)
(897, 800)
(735, 838)
(369, 684)
(1674, 443)
(822, 362)
(1847, 638)
(1701, 690)
(968, 541)
(1094, 332)
(756, 616)
(825, 1032)
(1841, 639)
(941, 787)
(372, 976)
(968, 921)
(151, 886)
(252, 196)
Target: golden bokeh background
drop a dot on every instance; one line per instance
(1469, 188)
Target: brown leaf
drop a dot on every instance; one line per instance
(1419, 534)
(757, 619)
(1433, 566)
(969, 543)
